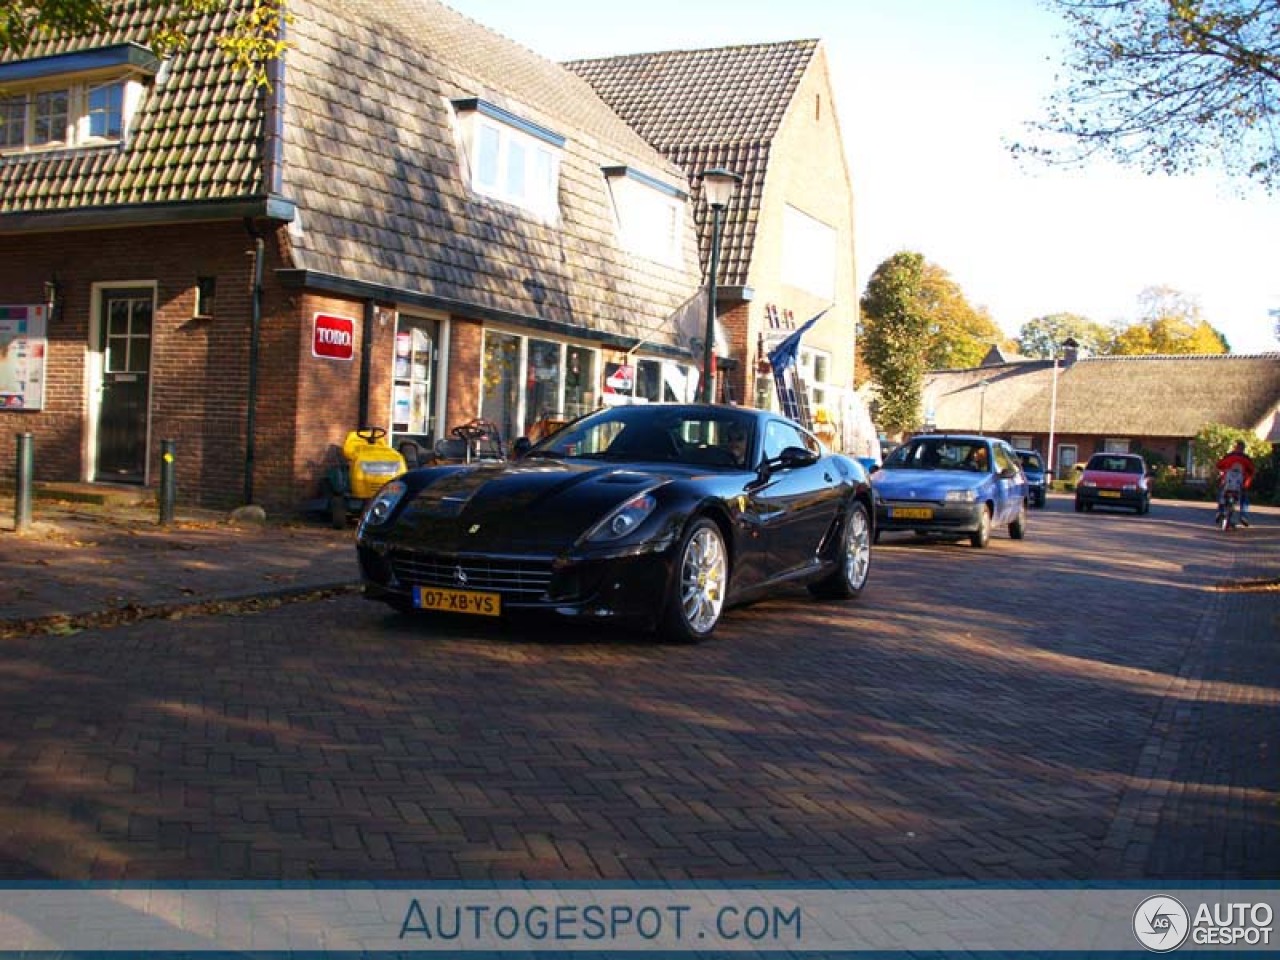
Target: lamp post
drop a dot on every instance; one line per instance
(718, 187)
(982, 406)
(1053, 414)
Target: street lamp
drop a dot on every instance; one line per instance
(718, 187)
(1053, 414)
(982, 405)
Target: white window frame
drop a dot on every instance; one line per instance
(814, 367)
(1117, 445)
(75, 129)
(649, 214)
(522, 167)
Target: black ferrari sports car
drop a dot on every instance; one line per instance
(658, 515)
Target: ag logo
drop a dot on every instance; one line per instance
(1161, 923)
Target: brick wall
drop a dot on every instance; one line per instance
(198, 366)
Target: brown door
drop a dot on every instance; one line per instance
(126, 380)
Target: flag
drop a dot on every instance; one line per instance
(784, 354)
(690, 323)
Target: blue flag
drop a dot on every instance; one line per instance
(784, 354)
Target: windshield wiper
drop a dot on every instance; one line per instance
(545, 454)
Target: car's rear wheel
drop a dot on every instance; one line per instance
(853, 562)
(982, 536)
(1018, 529)
(699, 582)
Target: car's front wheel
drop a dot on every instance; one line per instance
(853, 562)
(982, 536)
(1018, 528)
(699, 582)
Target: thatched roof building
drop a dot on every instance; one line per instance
(1153, 402)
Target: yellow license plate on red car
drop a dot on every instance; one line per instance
(1109, 493)
(911, 513)
(473, 602)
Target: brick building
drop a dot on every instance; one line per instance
(418, 222)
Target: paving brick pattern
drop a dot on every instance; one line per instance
(1078, 705)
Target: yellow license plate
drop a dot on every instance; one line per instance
(1109, 493)
(458, 601)
(911, 513)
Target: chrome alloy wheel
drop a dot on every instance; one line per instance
(857, 549)
(704, 571)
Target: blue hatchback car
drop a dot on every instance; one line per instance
(952, 485)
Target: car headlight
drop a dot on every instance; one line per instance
(1130, 487)
(382, 505)
(961, 496)
(623, 520)
(1087, 484)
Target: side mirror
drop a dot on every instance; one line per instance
(792, 457)
(520, 447)
(1008, 473)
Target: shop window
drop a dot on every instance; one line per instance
(500, 397)
(413, 379)
(528, 381)
(580, 394)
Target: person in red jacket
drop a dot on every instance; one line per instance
(1237, 457)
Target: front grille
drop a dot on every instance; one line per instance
(514, 578)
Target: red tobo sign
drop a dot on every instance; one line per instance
(333, 337)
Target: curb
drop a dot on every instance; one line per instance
(251, 601)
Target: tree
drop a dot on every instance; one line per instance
(1043, 336)
(1171, 324)
(1216, 440)
(1169, 85)
(895, 330)
(960, 335)
(254, 39)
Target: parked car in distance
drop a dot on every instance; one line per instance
(1037, 480)
(661, 515)
(951, 485)
(1114, 480)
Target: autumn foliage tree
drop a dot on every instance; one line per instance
(1171, 323)
(895, 328)
(960, 335)
(1170, 86)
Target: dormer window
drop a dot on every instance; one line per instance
(72, 100)
(650, 214)
(509, 158)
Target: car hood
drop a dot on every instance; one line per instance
(533, 507)
(925, 484)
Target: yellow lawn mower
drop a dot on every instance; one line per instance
(368, 461)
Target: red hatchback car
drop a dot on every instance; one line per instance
(1114, 480)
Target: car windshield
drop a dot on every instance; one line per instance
(695, 436)
(939, 453)
(1114, 464)
(1031, 461)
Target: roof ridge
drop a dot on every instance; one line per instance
(1262, 354)
(799, 42)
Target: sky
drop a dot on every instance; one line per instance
(929, 94)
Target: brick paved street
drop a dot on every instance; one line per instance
(1078, 705)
